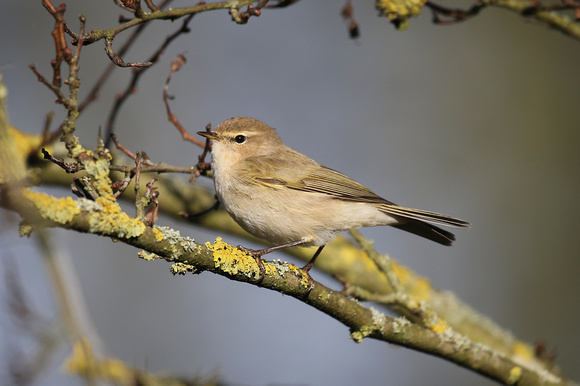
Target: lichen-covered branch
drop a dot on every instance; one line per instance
(187, 255)
(553, 15)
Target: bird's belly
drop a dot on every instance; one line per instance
(282, 216)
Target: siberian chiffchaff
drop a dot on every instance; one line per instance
(288, 199)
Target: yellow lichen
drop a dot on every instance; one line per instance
(77, 149)
(59, 210)
(158, 235)
(399, 11)
(233, 260)
(515, 375)
(25, 144)
(182, 268)
(523, 351)
(99, 171)
(83, 362)
(362, 333)
(147, 256)
(16, 148)
(418, 286)
(116, 223)
(25, 230)
(439, 327)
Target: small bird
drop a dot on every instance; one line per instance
(288, 199)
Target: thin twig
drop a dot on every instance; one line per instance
(152, 197)
(176, 65)
(138, 201)
(118, 61)
(67, 166)
(152, 6)
(137, 72)
(55, 89)
(94, 93)
(204, 166)
(383, 262)
(127, 152)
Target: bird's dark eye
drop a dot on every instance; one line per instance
(240, 138)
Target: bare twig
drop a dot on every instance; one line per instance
(128, 153)
(282, 4)
(53, 11)
(94, 93)
(137, 74)
(176, 64)
(155, 168)
(138, 202)
(152, 197)
(243, 17)
(152, 6)
(383, 262)
(204, 166)
(67, 166)
(62, 51)
(118, 61)
(47, 136)
(133, 6)
(55, 89)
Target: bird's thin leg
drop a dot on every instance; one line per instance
(262, 252)
(256, 253)
(310, 264)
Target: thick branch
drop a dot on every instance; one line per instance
(220, 258)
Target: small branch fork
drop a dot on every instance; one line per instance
(94, 93)
(141, 17)
(243, 17)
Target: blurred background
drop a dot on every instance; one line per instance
(477, 120)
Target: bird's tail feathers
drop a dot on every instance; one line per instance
(423, 215)
(420, 223)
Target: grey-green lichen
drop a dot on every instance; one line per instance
(148, 256)
(89, 205)
(378, 319)
(399, 324)
(175, 240)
